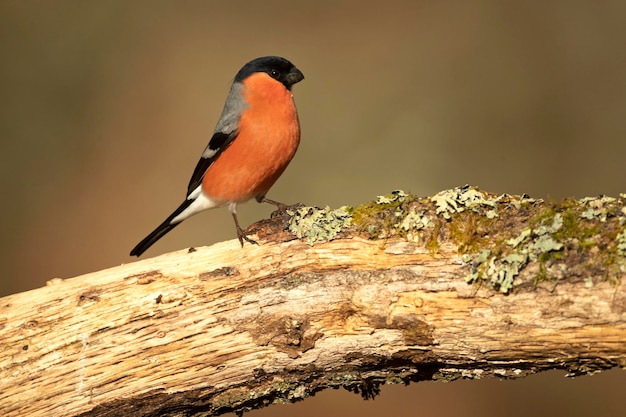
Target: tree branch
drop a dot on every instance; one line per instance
(387, 300)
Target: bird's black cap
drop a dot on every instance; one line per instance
(276, 67)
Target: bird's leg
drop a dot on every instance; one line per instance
(241, 235)
(280, 206)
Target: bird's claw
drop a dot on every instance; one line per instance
(241, 235)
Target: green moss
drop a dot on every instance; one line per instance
(621, 243)
(576, 227)
(471, 232)
(386, 216)
(510, 256)
(432, 243)
(586, 232)
(542, 275)
(498, 235)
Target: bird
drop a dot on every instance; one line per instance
(254, 140)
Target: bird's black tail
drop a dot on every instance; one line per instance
(160, 231)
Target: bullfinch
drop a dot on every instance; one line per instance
(254, 140)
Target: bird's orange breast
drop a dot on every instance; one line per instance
(269, 134)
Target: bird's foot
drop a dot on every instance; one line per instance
(241, 235)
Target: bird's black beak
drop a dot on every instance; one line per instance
(294, 76)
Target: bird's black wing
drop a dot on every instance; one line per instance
(218, 143)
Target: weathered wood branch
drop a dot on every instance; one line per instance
(223, 328)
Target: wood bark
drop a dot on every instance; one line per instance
(219, 329)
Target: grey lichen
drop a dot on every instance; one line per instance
(415, 220)
(497, 235)
(597, 207)
(464, 198)
(590, 231)
(621, 244)
(396, 214)
(396, 196)
(318, 225)
(529, 245)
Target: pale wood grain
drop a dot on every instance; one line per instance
(223, 324)
(227, 328)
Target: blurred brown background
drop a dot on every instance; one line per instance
(106, 107)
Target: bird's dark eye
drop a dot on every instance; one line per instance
(274, 73)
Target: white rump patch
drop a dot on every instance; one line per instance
(200, 203)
